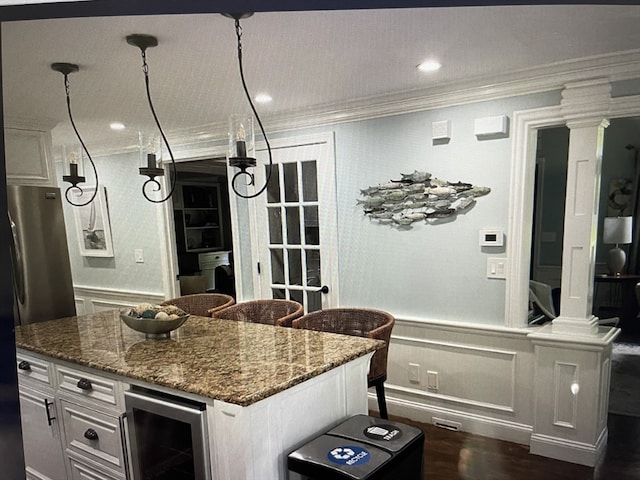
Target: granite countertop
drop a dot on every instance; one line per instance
(236, 362)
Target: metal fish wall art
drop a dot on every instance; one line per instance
(418, 197)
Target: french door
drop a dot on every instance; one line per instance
(296, 223)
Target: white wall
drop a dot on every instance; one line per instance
(135, 224)
(430, 271)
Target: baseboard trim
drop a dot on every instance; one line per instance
(544, 445)
(472, 423)
(567, 450)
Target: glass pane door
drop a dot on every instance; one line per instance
(297, 261)
(294, 244)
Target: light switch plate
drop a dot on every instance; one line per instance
(139, 255)
(496, 268)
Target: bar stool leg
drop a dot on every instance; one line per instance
(382, 402)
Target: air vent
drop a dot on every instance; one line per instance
(446, 424)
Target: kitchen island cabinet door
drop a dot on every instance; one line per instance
(41, 435)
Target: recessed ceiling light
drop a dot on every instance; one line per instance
(117, 126)
(263, 98)
(429, 66)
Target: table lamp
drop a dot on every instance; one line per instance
(617, 230)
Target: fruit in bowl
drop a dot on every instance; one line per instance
(153, 320)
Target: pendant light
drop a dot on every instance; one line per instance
(152, 170)
(73, 178)
(241, 138)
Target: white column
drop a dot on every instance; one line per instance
(585, 106)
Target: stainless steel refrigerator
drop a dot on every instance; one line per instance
(43, 289)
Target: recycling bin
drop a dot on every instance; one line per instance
(361, 448)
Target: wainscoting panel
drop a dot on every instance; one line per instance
(471, 375)
(462, 377)
(605, 386)
(94, 300)
(517, 384)
(565, 401)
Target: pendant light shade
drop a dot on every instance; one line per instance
(150, 151)
(75, 177)
(241, 142)
(241, 136)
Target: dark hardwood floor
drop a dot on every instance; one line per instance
(452, 455)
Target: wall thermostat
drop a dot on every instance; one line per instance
(492, 237)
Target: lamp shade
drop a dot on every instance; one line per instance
(150, 147)
(617, 230)
(72, 159)
(241, 137)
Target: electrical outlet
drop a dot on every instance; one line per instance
(432, 380)
(139, 255)
(414, 373)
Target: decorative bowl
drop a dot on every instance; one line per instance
(152, 327)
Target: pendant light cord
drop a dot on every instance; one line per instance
(253, 108)
(84, 147)
(145, 69)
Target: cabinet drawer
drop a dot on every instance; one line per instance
(211, 260)
(81, 470)
(88, 386)
(93, 434)
(33, 369)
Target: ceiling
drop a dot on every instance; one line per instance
(304, 60)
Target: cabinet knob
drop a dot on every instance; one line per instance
(91, 434)
(84, 384)
(24, 365)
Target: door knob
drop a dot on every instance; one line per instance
(323, 289)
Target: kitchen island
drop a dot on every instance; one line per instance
(266, 389)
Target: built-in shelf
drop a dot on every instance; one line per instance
(198, 217)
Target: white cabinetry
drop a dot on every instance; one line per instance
(86, 437)
(41, 433)
(92, 416)
(29, 160)
(247, 443)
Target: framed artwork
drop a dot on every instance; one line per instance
(92, 224)
(620, 197)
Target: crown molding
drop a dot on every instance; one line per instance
(548, 78)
